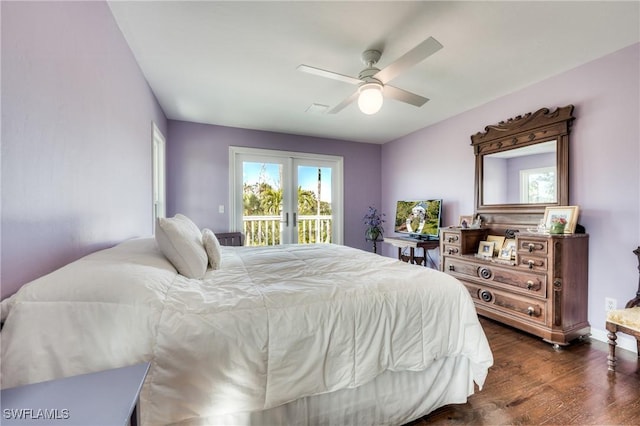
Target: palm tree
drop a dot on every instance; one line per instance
(271, 200)
(307, 203)
(251, 203)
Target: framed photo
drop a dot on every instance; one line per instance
(485, 249)
(498, 242)
(508, 250)
(568, 213)
(465, 221)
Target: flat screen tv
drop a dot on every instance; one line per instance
(420, 219)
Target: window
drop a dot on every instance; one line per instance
(538, 185)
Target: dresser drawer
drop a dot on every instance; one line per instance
(527, 309)
(508, 278)
(466, 240)
(457, 266)
(533, 246)
(451, 237)
(451, 249)
(532, 263)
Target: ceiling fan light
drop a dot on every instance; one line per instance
(370, 98)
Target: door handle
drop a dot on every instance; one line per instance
(295, 216)
(286, 219)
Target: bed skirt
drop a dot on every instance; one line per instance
(393, 398)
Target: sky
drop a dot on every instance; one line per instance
(307, 177)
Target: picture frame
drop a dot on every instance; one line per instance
(569, 213)
(485, 248)
(498, 241)
(465, 219)
(508, 250)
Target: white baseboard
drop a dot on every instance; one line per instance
(624, 341)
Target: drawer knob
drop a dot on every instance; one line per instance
(452, 268)
(529, 285)
(530, 311)
(452, 239)
(485, 273)
(531, 263)
(486, 296)
(453, 250)
(531, 247)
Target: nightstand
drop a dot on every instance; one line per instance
(107, 397)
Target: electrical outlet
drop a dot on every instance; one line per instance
(610, 304)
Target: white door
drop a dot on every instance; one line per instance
(282, 197)
(159, 174)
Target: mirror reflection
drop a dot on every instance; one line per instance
(524, 175)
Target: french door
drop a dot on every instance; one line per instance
(280, 197)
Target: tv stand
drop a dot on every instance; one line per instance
(423, 237)
(412, 243)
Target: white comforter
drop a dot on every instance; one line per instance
(272, 325)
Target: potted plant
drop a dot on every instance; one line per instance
(373, 219)
(557, 225)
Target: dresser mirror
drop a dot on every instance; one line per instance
(522, 164)
(524, 175)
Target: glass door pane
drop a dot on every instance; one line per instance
(262, 202)
(314, 215)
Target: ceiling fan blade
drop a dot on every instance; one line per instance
(329, 74)
(409, 59)
(342, 105)
(404, 96)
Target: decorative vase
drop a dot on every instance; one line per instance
(372, 233)
(557, 228)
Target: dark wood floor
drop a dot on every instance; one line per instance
(531, 383)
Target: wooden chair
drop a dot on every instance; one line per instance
(230, 238)
(625, 320)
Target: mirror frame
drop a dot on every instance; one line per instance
(524, 130)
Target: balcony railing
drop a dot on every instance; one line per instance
(265, 230)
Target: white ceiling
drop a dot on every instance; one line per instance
(233, 63)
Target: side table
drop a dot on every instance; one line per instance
(412, 244)
(107, 397)
(375, 243)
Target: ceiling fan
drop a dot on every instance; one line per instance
(372, 82)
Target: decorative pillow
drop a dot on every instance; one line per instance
(180, 240)
(212, 247)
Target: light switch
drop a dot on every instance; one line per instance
(221, 208)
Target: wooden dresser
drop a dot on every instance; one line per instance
(538, 282)
(543, 291)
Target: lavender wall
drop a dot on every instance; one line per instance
(198, 172)
(76, 137)
(604, 175)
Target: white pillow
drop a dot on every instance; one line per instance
(212, 247)
(180, 240)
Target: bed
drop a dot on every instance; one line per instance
(293, 334)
